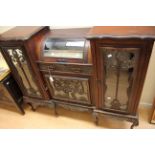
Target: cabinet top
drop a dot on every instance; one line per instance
(137, 32)
(65, 45)
(69, 33)
(20, 33)
(97, 32)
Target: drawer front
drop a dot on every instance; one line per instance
(67, 68)
(71, 89)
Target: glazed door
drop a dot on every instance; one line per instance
(68, 88)
(116, 74)
(21, 70)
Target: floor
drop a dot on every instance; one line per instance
(44, 118)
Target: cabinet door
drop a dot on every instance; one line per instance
(67, 88)
(117, 69)
(21, 69)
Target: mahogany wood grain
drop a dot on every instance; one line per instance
(20, 33)
(69, 33)
(32, 40)
(140, 32)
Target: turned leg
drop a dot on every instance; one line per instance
(135, 123)
(96, 119)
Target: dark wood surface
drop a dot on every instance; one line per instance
(103, 36)
(141, 32)
(69, 33)
(32, 46)
(25, 32)
(20, 33)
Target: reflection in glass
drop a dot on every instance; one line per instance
(3, 65)
(119, 65)
(20, 63)
(63, 48)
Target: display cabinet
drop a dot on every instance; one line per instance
(100, 69)
(18, 47)
(65, 62)
(120, 56)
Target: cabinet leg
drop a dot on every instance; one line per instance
(32, 107)
(135, 123)
(96, 119)
(55, 110)
(22, 110)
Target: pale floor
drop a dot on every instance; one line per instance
(44, 118)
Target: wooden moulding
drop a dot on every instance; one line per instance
(152, 120)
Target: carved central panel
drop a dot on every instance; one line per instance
(70, 89)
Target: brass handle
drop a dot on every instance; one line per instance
(51, 78)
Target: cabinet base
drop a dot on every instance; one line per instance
(34, 103)
(129, 118)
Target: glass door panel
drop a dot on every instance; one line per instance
(118, 72)
(21, 65)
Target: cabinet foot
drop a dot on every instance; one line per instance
(135, 123)
(55, 110)
(96, 119)
(32, 107)
(22, 111)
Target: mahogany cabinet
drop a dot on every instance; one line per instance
(100, 69)
(66, 65)
(120, 57)
(18, 47)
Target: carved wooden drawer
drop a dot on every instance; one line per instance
(66, 68)
(71, 89)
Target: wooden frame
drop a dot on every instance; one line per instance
(90, 68)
